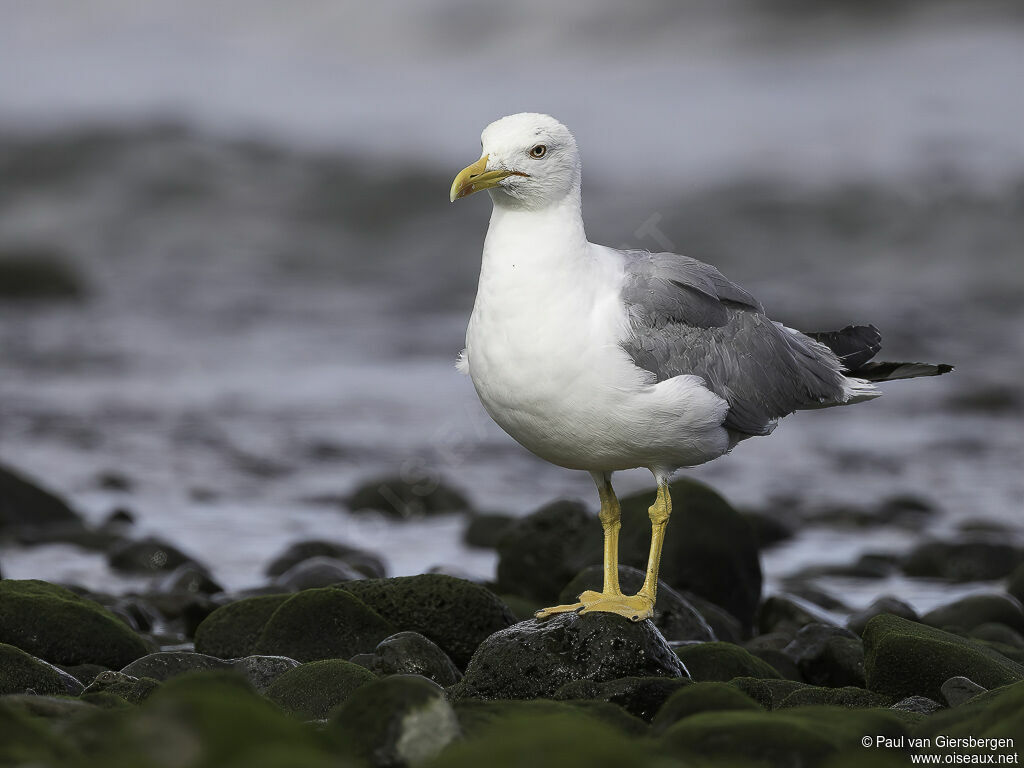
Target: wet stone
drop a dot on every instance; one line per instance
(148, 555)
(535, 658)
(130, 688)
(369, 565)
(978, 560)
(828, 655)
(958, 690)
(21, 672)
(312, 690)
(718, 661)
(167, 664)
(399, 498)
(412, 653)
(317, 572)
(191, 579)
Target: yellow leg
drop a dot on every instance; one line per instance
(659, 513)
(610, 599)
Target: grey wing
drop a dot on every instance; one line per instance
(687, 318)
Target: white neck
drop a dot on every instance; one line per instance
(539, 241)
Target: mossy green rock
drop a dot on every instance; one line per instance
(20, 672)
(701, 697)
(402, 720)
(312, 690)
(562, 739)
(28, 740)
(57, 625)
(202, 720)
(804, 736)
(322, 623)
(456, 614)
(847, 696)
(903, 658)
(723, 661)
(478, 715)
(231, 631)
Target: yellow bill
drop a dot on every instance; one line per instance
(476, 177)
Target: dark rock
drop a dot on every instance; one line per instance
(780, 662)
(849, 696)
(1015, 583)
(542, 552)
(479, 716)
(642, 697)
(148, 555)
(828, 655)
(398, 721)
(167, 664)
(312, 690)
(768, 528)
(710, 549)
(887, 604)
(718, 661)
(978, 560)
(188, 578)
(112, 480)
(37, 273)
(184, 610)
(958, 690)
(413, 654)
(993, 632)
(725, 626)
(971, 611)
(366, 563)
(701, 697)
(231, 631)
(816, 596)
(535, 658)
(262, 671)
(322, 624)
(55, 624)
(903, 658)
(788, 614)
(674, 617)
(130, 688)
(21, 672)
(920, 705)
(801, 736)
(401, 499)
(25, 507)
(456, 614)
(485, 529)
(317, 572)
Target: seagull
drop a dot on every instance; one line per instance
(602, 360)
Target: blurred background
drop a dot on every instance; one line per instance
(232, 288)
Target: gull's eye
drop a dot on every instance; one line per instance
(539, 151)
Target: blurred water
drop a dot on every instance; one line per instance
(279, 288)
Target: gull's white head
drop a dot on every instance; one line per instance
(529, 161)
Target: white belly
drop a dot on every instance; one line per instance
(546, 363)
